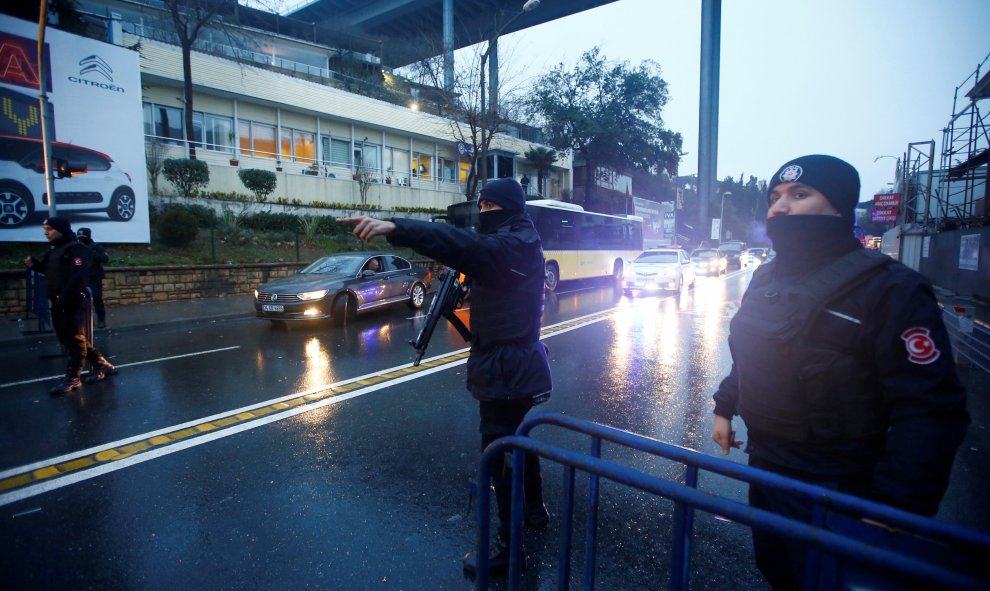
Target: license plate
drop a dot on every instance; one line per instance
(272, 308)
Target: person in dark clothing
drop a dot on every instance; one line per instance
(857, 393)
(66, 269)
(508, 370)
(98, 257)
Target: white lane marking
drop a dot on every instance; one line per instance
(158, 360)
(106, 468)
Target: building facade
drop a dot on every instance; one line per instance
(274, 102)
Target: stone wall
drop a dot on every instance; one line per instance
(141, 285)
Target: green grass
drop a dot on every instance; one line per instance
(232, 247)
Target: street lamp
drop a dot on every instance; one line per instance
(488, 119)
(721, 218)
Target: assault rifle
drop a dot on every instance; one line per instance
(447, 299)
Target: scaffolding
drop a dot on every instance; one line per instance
(963, 181)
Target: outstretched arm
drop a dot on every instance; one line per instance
(366, 228)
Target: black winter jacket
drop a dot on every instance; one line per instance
(505, 268)
(877, 380)
(66, 267)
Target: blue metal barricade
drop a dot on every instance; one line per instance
(37, 298)
(849, 546)
(970, 337)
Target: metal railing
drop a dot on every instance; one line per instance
(965, 545)
(970, 337)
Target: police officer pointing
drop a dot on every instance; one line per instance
(842, 369)
(508, 371)
(66, 268)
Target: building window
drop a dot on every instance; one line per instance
(304, 146)
(447, 171)
(244, 137)
(219, 131)
(336, 152)
(367, 157)
(263, 140)
(395, 164)
(165, 123)
(422, 165)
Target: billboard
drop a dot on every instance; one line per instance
(94, 120)
(885, 206)
(658, 221)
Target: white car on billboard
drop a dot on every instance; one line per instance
(103, 187)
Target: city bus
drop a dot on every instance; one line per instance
(577, 244)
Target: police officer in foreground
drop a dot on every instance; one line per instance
(508, 371)
(66, 269)
(858, 393)
(99, 257)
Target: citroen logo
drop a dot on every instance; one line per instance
(95, 63)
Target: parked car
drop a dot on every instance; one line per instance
(758, 256)
(736, 253)
(339, 286)
(709, 261)
(660, 269)
(104, 187)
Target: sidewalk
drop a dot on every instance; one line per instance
(120, 318)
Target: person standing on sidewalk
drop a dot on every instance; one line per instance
(841, 366)
(66, 269)
(508, 371)
(99, 256)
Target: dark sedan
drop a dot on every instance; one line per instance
(339, 286)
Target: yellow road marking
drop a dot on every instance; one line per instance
(34, 476)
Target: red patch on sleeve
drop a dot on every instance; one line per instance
(77, 262)
(920, 347)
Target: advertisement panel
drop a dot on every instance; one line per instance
(94, 120)
(658, 221)
(885, 206)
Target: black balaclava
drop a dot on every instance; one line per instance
(489, 221)
(805, 242)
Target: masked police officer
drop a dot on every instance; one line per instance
(99, 257)
(66, 268)
(508, 371)
(842, 369)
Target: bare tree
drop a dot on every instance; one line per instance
(472, 123)
(154, 160)
(364, 178)
(189, 18)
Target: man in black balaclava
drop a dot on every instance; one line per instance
(858, 394)
(66, 268)
(99, 257)
(508, 371)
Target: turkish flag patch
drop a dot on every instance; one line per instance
(920, 346)
(77, 262)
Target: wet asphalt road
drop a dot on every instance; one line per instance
(221, 458)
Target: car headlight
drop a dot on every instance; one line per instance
(312, 295)
(256, 294)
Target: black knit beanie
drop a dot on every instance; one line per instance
(834, 178)
(506, 192)
(61, 224)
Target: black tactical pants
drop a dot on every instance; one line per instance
(499, 419)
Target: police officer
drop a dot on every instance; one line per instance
(98, 257)
(508, 371)
(66, 269)
(857, 393)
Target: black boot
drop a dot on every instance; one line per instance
(101, 371)
(498, 559)
(66, 385)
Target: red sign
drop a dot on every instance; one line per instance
(885, 206)
(19, 61)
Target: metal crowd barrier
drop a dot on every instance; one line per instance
(970, 337)
(931, 541)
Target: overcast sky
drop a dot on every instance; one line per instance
(853, 78)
